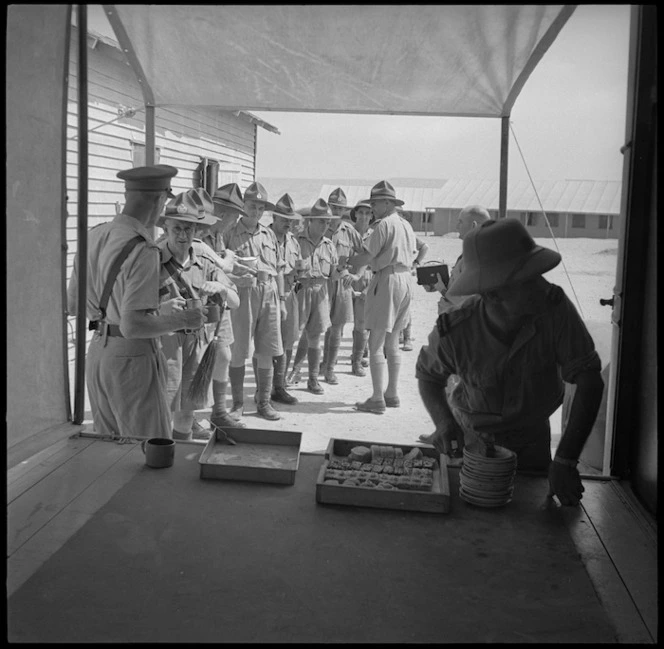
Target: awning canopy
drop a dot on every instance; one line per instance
(452, 60)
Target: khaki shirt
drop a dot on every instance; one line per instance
(137, 285)
(323, 257)
(290, 253)
(346, 239)
(391, 243)
(508, 386)
(261, 243)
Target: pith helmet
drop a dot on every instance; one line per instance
(286, 208)
(383, 190)
(500, 253)
(256, 192)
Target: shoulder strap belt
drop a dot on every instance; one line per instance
(112, 276)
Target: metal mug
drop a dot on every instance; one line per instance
(159, 452)
(262, 276)
(193, 303)
(213, 313)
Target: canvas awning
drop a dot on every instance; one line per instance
(453, 60)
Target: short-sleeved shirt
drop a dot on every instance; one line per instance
(346, 239)
(137, 285)
(391, 243)
(290, 253)
(261, 243)
(362, 283)
(508, 386)
(323, 257)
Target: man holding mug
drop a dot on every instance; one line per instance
(188, 273)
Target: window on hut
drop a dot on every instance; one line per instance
(531, 219)
(605, 221)
(554, 220)
(578, 221)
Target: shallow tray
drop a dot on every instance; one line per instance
(436, 500)
(259, 456)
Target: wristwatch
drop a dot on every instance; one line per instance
(565, 462)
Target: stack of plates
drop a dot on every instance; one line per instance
(487, 481)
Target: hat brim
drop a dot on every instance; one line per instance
(538, 261)
(396, 201)
(206, 220)
(228, 206)
(266, 204)
(293, 217)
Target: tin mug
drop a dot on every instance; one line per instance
(262, 276)
(159, 452)
(213, 313)
(193, 303)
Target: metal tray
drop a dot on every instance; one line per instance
(259, 456)
(437, 500)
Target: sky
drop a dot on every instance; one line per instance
(569, 122)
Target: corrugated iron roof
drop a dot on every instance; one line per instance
(583, 196)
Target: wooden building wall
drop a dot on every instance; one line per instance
(183, 137)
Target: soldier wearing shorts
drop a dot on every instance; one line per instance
(390, 250)
(318, 265)
(348, 242)
(362, 217)
(284, 217)
(189, 271)
(262, 304)
(126, 368)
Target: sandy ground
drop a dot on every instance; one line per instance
(586, 274)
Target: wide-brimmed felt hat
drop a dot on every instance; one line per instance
(286, 208)
(500, 253)
(383, 190)
(230, 196)
(363, 203)
(319, 210)
(155, 178)
(256, 192)
(337, 198)
(203, 200)
(184, 207)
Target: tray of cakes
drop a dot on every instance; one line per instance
(371, 474)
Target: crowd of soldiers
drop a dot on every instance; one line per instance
(492, 371)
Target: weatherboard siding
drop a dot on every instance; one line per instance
(183, 136)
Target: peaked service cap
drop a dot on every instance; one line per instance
(500, 253)
(230, 196)
(184, 207)
(156, 178)
(285, 208)
(256, 192)
(383, 190)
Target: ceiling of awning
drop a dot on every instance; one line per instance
(453, 60)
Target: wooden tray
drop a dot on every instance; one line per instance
(259, 456)
(437, 500)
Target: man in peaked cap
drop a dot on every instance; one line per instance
(262, 304)
(189, 272)
(339, 203)
(512, 343)
(126, 369)
(284, 217)
(390, 250)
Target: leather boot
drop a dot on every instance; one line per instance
(313, 356)
(254, 363)
(279, 392)
(356, 354)
(330, 376)
(264, 408)
(236, 376)
(220, 417)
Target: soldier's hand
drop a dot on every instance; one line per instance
(347, 280)
(565, 483)
(193, 318)
(241, 269)
(440, 285)
(443, 436)
(169, 307)
(210, 288)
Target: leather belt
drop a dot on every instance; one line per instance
(312, 281)
(109, 330)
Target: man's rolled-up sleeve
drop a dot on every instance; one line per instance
(433, 365)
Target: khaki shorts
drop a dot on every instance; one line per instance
(341, 302)
(290, 326)
(387, 305)
(258, 318)
(314, 309)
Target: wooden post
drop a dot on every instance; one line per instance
(149, 135)
(81, 316)
(504, 146)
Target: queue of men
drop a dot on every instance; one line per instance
(492, 371)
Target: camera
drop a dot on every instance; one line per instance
(428, 275)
